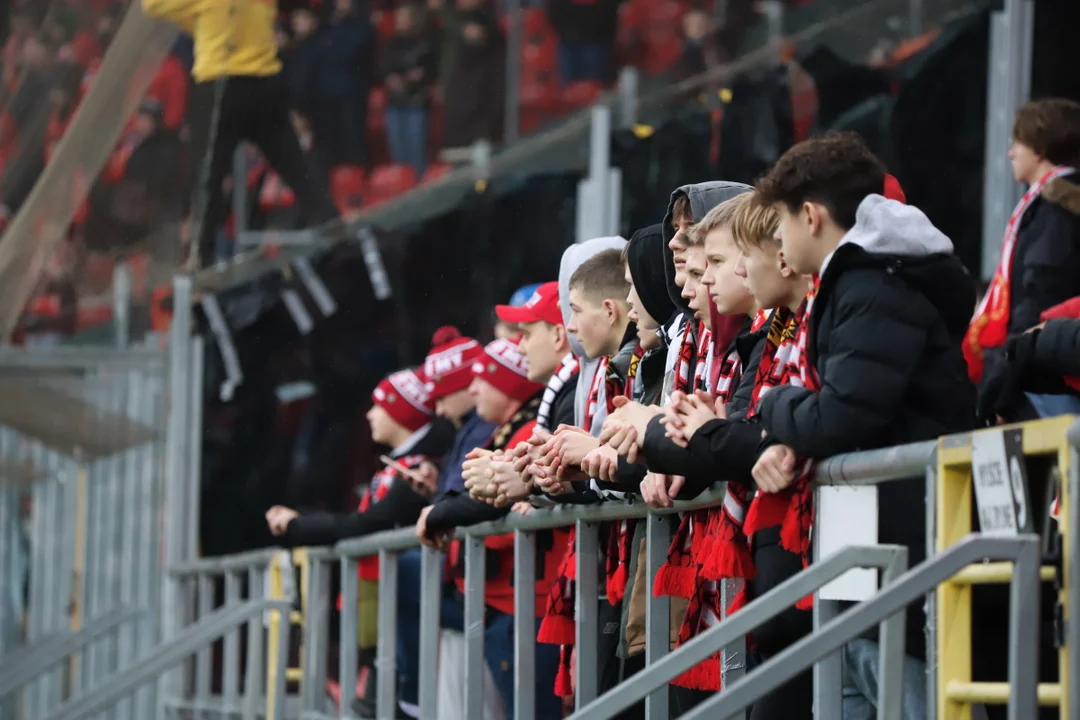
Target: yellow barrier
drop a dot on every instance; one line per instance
(297, 558)
(956, 692)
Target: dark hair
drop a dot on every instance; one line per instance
(1051, 128)
(836, 170)
(603, 276)
(681, 208)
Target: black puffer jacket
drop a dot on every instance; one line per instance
(885, 331)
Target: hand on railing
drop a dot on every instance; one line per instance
(571, 444)
(660, 490)
(278, 519)
(602, 464)
(775, 469)
(685, 414)
(475, 473)
(624, 429)
(509, 485)
(436, 540)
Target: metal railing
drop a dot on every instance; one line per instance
(172, 654)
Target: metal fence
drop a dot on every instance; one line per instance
(954, 558)
(82, 439)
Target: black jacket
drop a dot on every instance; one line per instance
(1045, 264)
(885, 338)
(401, 505)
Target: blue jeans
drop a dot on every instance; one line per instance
(451, 616)
(861, 678)
(499, 653)
(1054, 405)
(583, 61)
(498, 645)
(406, 130)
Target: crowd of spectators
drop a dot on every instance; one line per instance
(756, 331)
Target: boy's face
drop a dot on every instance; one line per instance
(540, 344)
(762, 270)
(455, 405)
(646, 325)
(1025, 162)
(727, 290)
(383, 427)
(678, 245)
(796, 235)
(693, 291)
(506, 331)
(590, 322)
(492, 405)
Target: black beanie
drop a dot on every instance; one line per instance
(645, 257)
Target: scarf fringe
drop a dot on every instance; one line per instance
(675, 581)
(616, 584)
(564, 685)
(704, 676)
(557, 630)
(729, 560)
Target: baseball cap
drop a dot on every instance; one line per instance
(543, 305)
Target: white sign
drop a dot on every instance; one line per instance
(847, 516)
(997, 469)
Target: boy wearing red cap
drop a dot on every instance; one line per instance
(503, 394)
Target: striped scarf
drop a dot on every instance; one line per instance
(564, 373)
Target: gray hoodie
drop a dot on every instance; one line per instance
(572, 259)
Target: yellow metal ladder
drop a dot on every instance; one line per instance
(956, 692)
(297, 558)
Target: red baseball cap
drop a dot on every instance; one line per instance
(543, 305)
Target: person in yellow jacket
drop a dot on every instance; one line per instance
(239, 94)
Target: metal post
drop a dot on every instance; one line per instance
(594, 191)
(915, 18)
(774, 16)
(231, 657)
(890, 690)
(122, 303)
(474, 626)
(515, 18)
(931, 597)
(828, 672)
(657, 610)
(1009, 85)
(524, 625)
(586, 612)
(176, 476)
(431, 566)
(347, 636)
(386, 651)
(1070, 511)
(1023, 643)
(628, 88)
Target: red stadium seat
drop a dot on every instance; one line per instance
(348, 187)
(540, 56)
(534, 22)
(389, 181)
(581, 94)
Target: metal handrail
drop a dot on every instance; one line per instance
(168, 655)
(891, 559)
(25, 664)
(891, 601)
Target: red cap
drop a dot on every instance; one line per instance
(404, 396)
(503, 366)
(448, 366)
(543, 305)
(893, 191)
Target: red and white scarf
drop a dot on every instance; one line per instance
(990, 326)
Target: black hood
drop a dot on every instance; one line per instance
(703, 198)
(645, 258)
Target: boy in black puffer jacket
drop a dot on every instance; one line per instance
(884, 334)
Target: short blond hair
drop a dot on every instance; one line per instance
(754, 225)
(719, 218)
